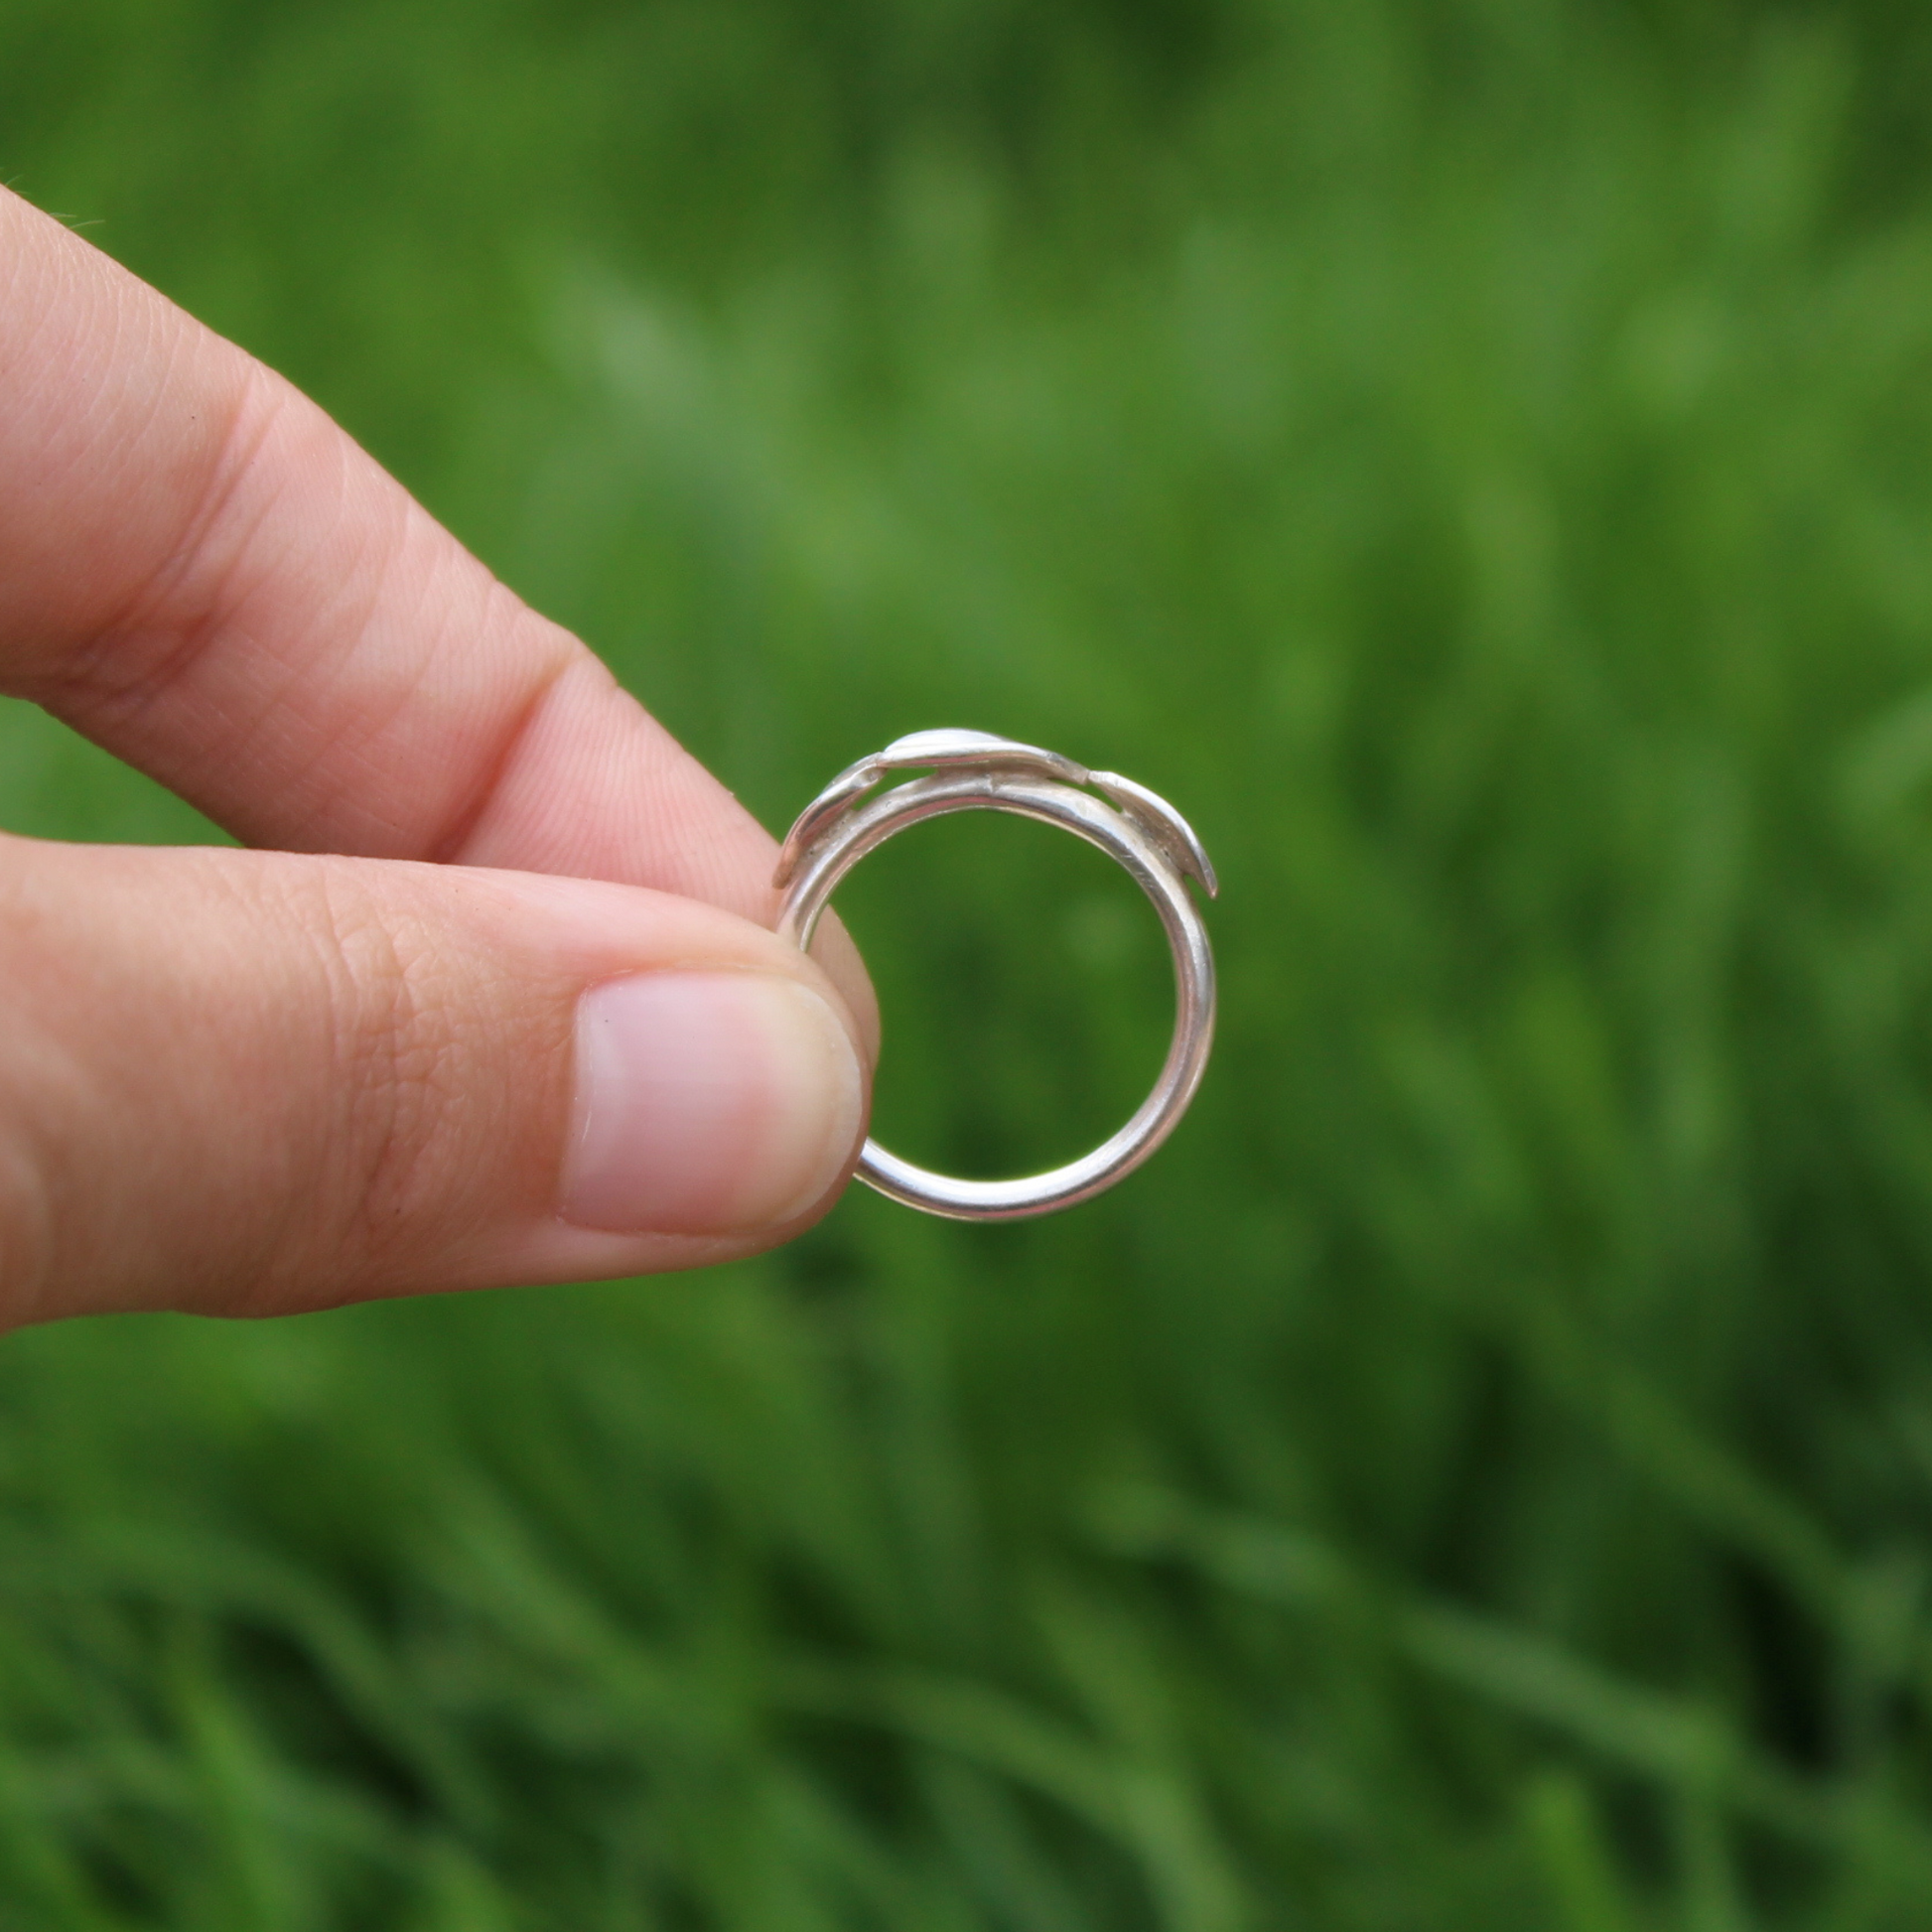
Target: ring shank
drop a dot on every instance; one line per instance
(870, 825)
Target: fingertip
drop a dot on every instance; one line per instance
(837, 956)
(709, 1103)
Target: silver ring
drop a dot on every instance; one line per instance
(974, 772)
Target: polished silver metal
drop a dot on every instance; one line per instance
(975, 772)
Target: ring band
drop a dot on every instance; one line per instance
(975, 772)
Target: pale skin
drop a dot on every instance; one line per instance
(524, 1022)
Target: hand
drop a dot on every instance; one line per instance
(530, 1027)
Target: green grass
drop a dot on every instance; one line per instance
(1473, 457)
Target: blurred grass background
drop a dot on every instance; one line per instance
(1476, 456)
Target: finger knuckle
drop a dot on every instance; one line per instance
(398, 1057)
(26, 1235)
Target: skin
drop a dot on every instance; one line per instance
(338, 1065)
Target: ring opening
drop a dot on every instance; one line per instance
(1027, 991)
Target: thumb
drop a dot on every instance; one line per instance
(254, 1082)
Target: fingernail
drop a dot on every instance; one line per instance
(707, 1103)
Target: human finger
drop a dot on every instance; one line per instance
(202, 573)
(251, 1083)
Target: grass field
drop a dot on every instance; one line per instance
(1476, 456)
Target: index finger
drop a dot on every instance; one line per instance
(202, 573)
